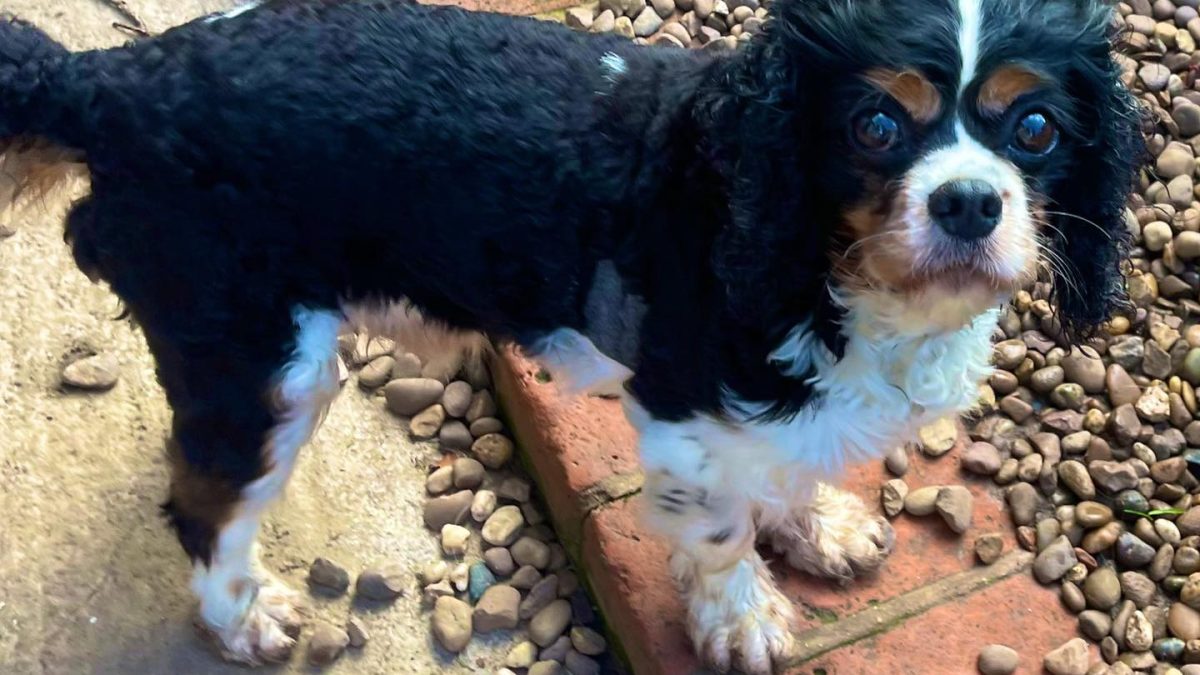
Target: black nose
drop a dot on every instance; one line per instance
(967, 209)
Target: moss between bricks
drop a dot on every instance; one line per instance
(568, 537)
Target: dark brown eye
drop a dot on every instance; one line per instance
(875, 131)
(1036, 134)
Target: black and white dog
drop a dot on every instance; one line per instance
(782, 257)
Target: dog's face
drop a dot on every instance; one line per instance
(965, 143)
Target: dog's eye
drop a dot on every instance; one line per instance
(875, 131)
(1036, 134)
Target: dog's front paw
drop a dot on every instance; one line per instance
(835, 536)
(266, 632)
(739, 619)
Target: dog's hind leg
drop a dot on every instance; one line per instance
(241, 416)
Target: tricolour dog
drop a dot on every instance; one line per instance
(782, 257)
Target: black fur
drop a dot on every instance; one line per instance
(480, 165)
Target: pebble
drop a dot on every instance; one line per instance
(1189, 594)
(499, 561)
(452, 619)
(486, 425)
(468, 473)
(997, 660)
(328, 576)
(1189, 522)
(1139, 634)
(1137, 587)
(955, 505)
(522, 655)
(920, 502)
(540, 595)
(1102, 589)
(454, 539)
(525, 578)
(1171, 650)
(434, 572)
(988, 548)
(1113, 476)
(98, 372)
(503, 526)
(587, 641)
(514, 489)
(496, 609)
(557, 651)
(479, 580)
(546, 668)
(1092, 514)
(1074, 475)
(893, 495)
(356, 633)
(578, 664)
(376, 373)
(455, 436)
(448, 509)
(441, 480)
(1102, 538)
(1069, 659)
(426, 423)
(529, 551)
(410, 396)
(382, 582)
(326, 644)
(938, 438)
(981, 458)
(548, 624)
(1132, 552)
(1094, 624)
(457, 398)
(1022, 503)
(483, 505)
(1154, 405)
(482, 405)
(1084, 369)
(1183, 621)
(896, 461)
(493, 450)
(1054, 560)
(1072, 598)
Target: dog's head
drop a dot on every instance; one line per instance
(959, 144)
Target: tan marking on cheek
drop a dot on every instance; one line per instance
(911, 90)
(1005, 85)
(876, 254)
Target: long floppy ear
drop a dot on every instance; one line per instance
(1089, 234)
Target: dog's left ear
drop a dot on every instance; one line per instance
(1087, 211)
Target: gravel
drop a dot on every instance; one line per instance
(482, 510)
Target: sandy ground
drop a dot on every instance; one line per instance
(91, 580)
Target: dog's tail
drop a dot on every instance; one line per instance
(36, 152)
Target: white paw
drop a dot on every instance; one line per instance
(739, 619)
(266, 632)
(836, 536)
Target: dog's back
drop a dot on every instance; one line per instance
(352, 146)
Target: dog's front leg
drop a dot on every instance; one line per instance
(737, 617)
(830, 533)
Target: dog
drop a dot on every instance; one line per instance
(782, 257)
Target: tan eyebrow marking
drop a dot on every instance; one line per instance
(911, 90)
(1005, 85)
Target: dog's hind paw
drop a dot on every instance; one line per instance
(266, 632)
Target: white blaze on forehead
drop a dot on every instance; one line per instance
(970, 17)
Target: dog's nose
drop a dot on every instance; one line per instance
(967, 209)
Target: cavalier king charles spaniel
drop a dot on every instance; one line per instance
(781, 257)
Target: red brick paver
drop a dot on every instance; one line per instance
(914, 617)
